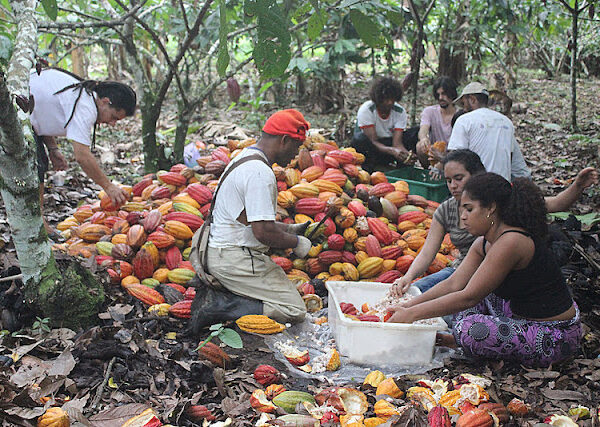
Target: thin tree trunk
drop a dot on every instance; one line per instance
(574, 18)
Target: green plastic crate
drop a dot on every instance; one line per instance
(419, 183)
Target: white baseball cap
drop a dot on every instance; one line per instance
(472, 89)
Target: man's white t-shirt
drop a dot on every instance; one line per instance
(384, 128)
(251, 186)
(51, 112)
(492, 136)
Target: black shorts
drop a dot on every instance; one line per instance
(373, 157)
(42, 157)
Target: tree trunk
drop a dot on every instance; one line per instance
(46, 289)
(575, 19)
(417, 54)
(452, 50)
(183, 123)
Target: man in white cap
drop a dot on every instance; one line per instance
(488, 133)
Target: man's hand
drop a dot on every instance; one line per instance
(59, 163)
(402, 155)
(586, 177)
(400, 314)
(117, 196)
(400, 286)
(302, 248)
(297, 229)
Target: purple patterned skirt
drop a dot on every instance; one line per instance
(489, 330)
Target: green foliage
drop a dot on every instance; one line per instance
(272, 44)
(223, 58)
(41, 325)
(50, 8)
(367, 29)
(227, 336)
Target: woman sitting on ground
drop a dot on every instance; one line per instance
(459, 166)
(511, 298)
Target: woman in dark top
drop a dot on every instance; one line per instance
(511, 298)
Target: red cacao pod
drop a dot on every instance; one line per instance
(182, 310)
(233, 90)
(266, 375)
(214, 354)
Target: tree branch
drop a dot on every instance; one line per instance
(565, 4)
(184, 14)
(163, 49)
(74, 25)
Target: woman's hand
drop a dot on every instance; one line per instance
(400, 286)
(400, 314)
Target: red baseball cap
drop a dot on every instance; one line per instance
(287, 122)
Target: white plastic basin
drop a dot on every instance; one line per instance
(369, 343)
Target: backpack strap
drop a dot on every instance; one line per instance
(226, 174)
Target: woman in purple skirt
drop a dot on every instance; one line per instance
(511, 298)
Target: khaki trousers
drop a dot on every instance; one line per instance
(252, 274)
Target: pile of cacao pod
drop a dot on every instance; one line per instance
(377, 229)
(443, 402)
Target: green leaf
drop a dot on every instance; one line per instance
(264, 88)
(215, 327)
(231, 338)
(272, 47)
(223, 57)
(50, 8)
(315, 25)
(367, 29)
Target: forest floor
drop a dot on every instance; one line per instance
(107, 372)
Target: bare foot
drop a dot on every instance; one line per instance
(445, 340)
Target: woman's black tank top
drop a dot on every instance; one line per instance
(539, 290)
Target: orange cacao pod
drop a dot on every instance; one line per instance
(173, 178)
(178, 230)
(335, 176)
(145, 294)
(413, 216)
(92, 232)
(311, 173)
(161, 239)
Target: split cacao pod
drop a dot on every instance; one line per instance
(54, 417)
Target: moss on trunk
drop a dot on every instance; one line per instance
(68, 294)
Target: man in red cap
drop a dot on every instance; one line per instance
(243, 229)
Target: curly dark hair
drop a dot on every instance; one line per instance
(385, 88)
(446, 83)
(469, 159)
(520, 204)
